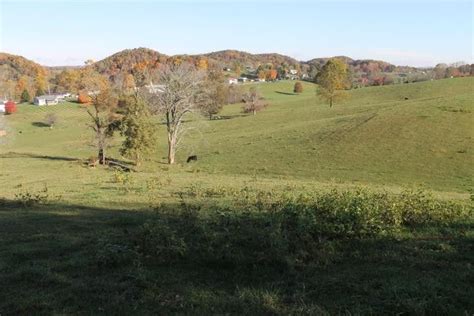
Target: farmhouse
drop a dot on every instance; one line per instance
(233, 81)
(48, 99)
(155, 88)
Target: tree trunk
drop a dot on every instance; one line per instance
(254, 112)
(101, 156)
(171, 151)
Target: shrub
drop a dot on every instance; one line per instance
(84, 98)
(298, 87)
(10, 107)
(28, 198)
(111, 255)
(262, 228)
(50, 119)
(25, 96)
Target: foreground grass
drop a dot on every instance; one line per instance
(250, 256)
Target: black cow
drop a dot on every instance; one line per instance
(192, 158)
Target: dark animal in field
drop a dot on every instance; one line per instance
(406, 98)
(192, 158)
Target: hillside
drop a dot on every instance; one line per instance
(12, 67)
(376, 138)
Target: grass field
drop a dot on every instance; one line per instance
(382, 138)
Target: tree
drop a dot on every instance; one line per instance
(298, 87)
(25, 96)
(218, 92)
(333, 78)
(40, 83)
(253, 102)
(68, 80)
(10, 107)
(261, 74)
(182, 93)
(21, 85)
(271, 74)
(104, 119)
(137, 128)
(84, 98)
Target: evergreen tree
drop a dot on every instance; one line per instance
(25, 96)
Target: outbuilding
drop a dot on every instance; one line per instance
(48, 99)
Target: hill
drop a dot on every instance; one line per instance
(375, 138)
(15, 68)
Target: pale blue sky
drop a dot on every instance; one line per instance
(418, 33)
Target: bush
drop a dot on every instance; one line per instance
(262, 228)
(50, 119)
(298, 87)
(25, 96)
(28, 198)
(10, 107)
(84, 98)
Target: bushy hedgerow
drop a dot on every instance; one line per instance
(261, 228)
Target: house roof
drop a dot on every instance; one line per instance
(48, 97)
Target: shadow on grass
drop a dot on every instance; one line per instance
(40, 124)
(32, 155)
(286, 93)
(67, 258)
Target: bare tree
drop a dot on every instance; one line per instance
(181, 91)
(253, 102)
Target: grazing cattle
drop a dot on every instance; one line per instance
(192, 158)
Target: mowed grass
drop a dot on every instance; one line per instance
(68, 253)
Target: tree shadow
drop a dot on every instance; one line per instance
(40, 124)
(286, 93)
(37, 156)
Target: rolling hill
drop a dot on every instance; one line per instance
(390, 136)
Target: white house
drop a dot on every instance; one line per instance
(2, 105)
(48, 99)
(155, 88)
(233, 81)
(242, 79)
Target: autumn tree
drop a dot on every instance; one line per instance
(137, 128)
(218, 92)
(41, 83)
(261, 74)
(298, 87)
(332, 79)
(68, 80)
(183, 90)
(253, 102)
(21, 85)
(104, 119)
(271, 74)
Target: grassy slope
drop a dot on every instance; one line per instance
(375, 138)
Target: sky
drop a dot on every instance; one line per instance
(416, 33)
